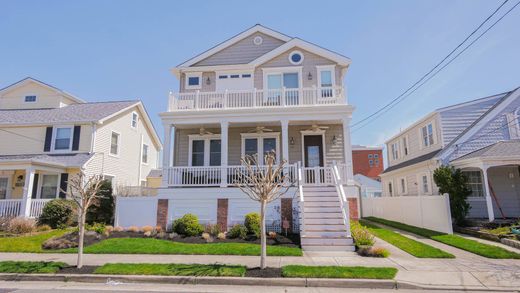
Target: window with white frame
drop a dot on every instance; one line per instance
(144, 157)
(395, 150)
(115, 143)
(405, 146)
(390, 190)
(135, 118)
(425, 184)
(30, 99)
(326, 80)
(49, 186)
(109, 178)
(403, 185)
(193, 81)
(205, 150)
(62, 138)
(371, 163)
(475, 183)
(427, 135)
(258, 145)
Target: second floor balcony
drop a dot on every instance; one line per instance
(257, 98)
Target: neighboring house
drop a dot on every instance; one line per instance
(367, 161)
(482, 137)
(48, 135)
(368, 186)
(258, 92)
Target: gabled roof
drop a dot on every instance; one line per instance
(501, 149)
(290, 43)
(61, 160)
(413, 161)
(41, 83)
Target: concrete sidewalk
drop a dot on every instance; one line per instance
(467, 271)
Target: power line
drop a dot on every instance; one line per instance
(418, 82)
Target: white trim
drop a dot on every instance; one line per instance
(187, 78)
(293, 53)
(206, 138)
(118, 144)
(52, 88)
(53, 140)
(312, 132)
(331, 68)
(260, 144)
(281, 71)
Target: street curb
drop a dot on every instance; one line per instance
(236, 281)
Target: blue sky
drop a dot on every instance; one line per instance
(115, 50)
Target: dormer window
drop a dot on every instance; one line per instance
(30, 99)
(427, 135)
(193, 80)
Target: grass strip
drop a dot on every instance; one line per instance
(299, 271)
(415, 248)
(473, 246)
(31, 267)
(31, 243)
(158, 246)
(214, 270)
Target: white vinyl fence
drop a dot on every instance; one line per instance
(427, 211)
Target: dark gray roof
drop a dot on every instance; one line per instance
(501, 149)
(86, 112)
(413, 161)
(65, 160)
(155, 173)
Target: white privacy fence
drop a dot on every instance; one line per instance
(427, 211)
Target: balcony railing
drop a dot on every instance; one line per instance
(269, 98)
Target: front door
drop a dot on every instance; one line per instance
(313, 157)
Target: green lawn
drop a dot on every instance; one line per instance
(30, 267)
(415, 248)
(297, 271)
(485, 250)
(158, 246)
(31, 243)
(172, 270)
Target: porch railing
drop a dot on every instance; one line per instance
(254, 98)
(212, 175)
(37, 207)
(12, 207)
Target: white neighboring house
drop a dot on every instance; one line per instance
(482, 137)
(368, 186)
(257, 92)
(48, 135)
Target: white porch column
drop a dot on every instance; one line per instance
(167, 152)
(489, 201)
(347, 149)
(224, 125)
(285, 140)
(25, 208)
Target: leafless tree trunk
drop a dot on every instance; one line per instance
(263, 184)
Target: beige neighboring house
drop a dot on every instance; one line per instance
(257, 92)
(48, 135)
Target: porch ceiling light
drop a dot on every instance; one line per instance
(334, 140)
(309, 76)
(208, 81)
(291, 141)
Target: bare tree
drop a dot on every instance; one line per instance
(83, 192)
(263, 184)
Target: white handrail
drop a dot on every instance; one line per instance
(342, 197)
(301, 203)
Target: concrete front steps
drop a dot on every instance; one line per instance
(325, 230)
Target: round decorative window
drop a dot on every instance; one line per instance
(258, 40)
(296, 57)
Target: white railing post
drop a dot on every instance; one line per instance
(225, 103)
(314, 95)
(224, 125)
(25, 209)
(301, 203)
(196, 102)
(254, 98)
(282, 102)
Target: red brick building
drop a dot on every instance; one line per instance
(367, 161)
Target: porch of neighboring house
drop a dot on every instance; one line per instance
(494, 178)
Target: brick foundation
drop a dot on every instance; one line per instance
(162, 213)
(353, 208)
(222, 213)
(286, 213)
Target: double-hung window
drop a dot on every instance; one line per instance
(425, 184)
(475, 183)
(114, 143)
(49, 186)
(62, 138)
(403, 186)
(258, 145)
(427, 135)
(144, 157)
(205, 150)
(405, 146)
(395, 151)
(390, 191)
(135, 118)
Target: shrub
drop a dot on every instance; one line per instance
(252, 223)
(188, 225)
(221, 236)
(102, 209)
(96, 227)
(453, 182)
(21, 225)
(147, 233)
(4, 223)
(272, 235)
(58, 213)
(147, 229)
(213, 230)
(119, 229)
(158, 229)
(237, 231)
(379, 252)
(133, 229)
(43, 228)
(109, 228)
(361, 235)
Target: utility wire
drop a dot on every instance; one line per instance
(440, 69)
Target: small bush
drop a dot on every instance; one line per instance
(4, 223)
(147, 229)
(147, 233)
(102, 209)
(119, 229)
(237, 231)
(379, 252)
(252, 223)
(361, 235)
(158, 229)
(58, 213)
(272, 235)
(188, 225)
(43, 228)
(21, 225)
(213, 230)
(133, 229)
(221, 236)
(109, 229)
(207, 237)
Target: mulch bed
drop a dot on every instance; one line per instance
(74, 270)
(265, 273)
